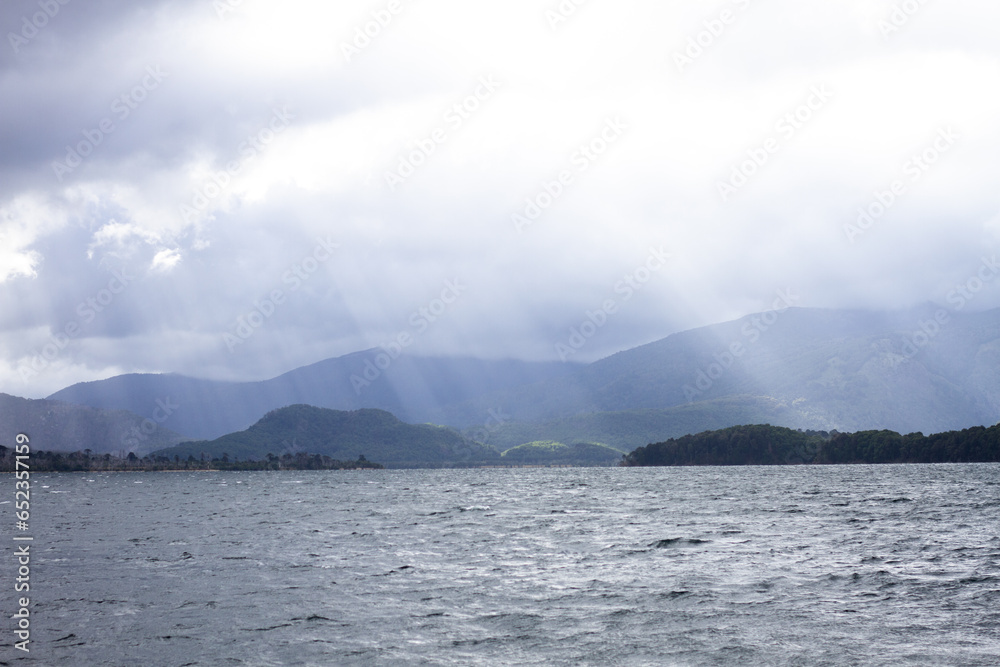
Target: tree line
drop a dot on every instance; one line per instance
(87, 461)
(774, 445)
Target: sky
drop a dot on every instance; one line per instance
(231, 189)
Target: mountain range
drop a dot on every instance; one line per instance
(57, 426)
(415, 389)
(927, 369)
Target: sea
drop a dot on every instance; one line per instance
(790, 565)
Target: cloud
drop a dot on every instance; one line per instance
(165, 260)
(206, 156)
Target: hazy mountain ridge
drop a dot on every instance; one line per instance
(926, 369)
(412, 388)
(626, 430)
(64, 427)
(848, 370)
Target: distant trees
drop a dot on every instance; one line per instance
(977, 444)
(44, 461)
(773, 445)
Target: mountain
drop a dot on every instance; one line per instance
(375, 434)
(60, 427)
(629, 429)
(414, 388)
(927, 369)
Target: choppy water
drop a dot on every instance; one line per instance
(683, 566)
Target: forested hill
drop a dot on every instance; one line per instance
(775, 445)
(342, 435)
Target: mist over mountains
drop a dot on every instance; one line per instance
(927, 369)
(57, 426)
(414, 389)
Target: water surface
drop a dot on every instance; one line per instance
(806, 565)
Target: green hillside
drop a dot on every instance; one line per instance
(547, 452)
(377, 435)
(633, 428)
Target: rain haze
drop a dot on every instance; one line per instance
(230, 190)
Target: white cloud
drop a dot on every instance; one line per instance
(24, 220)
(165, 260)
(325, 173)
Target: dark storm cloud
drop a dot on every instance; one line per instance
(223, 150)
